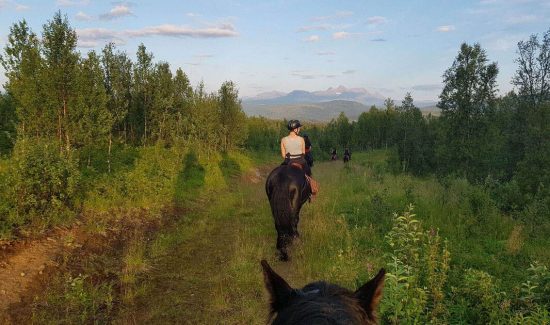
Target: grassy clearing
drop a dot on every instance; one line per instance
(204, 267)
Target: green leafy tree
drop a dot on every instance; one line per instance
(92, 119)
(343, 130)
(163, 109)
(232, 118)
(117, 68)
(143, 93)
(533, 114)
(25, 72)
(61, 60)
(8, 123)
(467, 103)
(409, 136)
(183, 96)
(533, 74)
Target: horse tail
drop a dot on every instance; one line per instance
(281, 205)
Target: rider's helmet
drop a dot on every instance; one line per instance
(293, 124)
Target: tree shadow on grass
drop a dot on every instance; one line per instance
(229, 167)
(189, 180)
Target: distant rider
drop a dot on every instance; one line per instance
(347, 152)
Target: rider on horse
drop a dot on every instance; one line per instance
(293, 148)
(347, 155)
(308, 156)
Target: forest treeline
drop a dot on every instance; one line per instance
(54, 92)
(501, 142)
(86, 103)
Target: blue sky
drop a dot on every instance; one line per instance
(390, 47)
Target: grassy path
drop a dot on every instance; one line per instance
(190, 276)
(206, 269)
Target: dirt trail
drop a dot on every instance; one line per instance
(191, 275)
(27, 262)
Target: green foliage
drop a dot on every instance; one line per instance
(418, 265)
(480, 299)
(232, 118)
(467, 104)
(8, 123)
(43, 185)
(263, 134)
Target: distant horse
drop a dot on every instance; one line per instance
(321, 302)
(347, 155)
(347, 158)
(287, 190)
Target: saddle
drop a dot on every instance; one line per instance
(297, 165)
(312, 183)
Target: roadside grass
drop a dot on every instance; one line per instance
(122, 214)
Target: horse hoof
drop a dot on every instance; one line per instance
(283, 257)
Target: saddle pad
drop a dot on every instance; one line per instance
(313, 184)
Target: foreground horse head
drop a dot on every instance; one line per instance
(321, 302)
(287, 190)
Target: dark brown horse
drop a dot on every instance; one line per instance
(321, 302)
(287, 190)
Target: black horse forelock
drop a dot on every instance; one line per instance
(321, 303)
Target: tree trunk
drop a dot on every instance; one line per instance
(109, 156)
(66, 119)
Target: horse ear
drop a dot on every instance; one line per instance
(370, 293)
(279, 290)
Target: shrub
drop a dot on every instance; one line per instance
(418, 268)
(44, 185)
(481, 299)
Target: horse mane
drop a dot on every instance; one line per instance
(321, 303)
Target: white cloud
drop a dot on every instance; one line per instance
(20, 7)
(427, 87)
(341, 35)
(87, 44)
(91, 37)
(10, 4)
(313, 38)
(83, 17)
(117, 12)
(314, 27)
(71, 3)
(377, 20)
(521, 19)
(505, 43)
(203, 56)
(445, 28)
(349, 72)
(337, 15)
(224, 30)
(323, 53)
(322, 27)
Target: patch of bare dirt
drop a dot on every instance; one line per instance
(22, 262)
